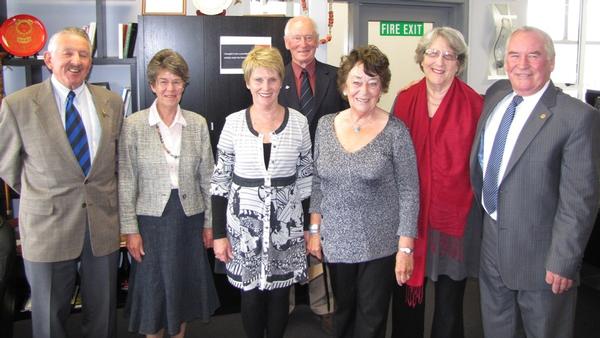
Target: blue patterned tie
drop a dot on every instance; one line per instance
(77, 135)
(490, 181)
(306, 96)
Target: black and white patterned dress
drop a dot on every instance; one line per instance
(264, 209)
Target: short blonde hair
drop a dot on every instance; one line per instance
(265, 57)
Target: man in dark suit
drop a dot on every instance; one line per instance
(310, 87)
(535, 172)
(59, 141)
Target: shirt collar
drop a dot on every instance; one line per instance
(310, 68)
(154, 118)
(535, 97)
(63, 91)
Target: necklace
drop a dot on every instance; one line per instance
(162, 143)
(433, 103)
(357, 127)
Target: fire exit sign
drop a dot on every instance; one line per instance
(401, 28)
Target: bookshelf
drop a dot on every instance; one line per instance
(34, 68)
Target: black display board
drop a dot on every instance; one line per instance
(197, 39)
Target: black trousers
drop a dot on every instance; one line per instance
(409, 322)
(265, 311)
(362, 294)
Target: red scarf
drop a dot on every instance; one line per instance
(442, 145)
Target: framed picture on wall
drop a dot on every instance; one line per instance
(162, 7)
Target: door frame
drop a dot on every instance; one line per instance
(458, 14)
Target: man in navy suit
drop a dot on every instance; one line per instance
(302, 40)
(536, 178)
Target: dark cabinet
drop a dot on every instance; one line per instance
(196, 38)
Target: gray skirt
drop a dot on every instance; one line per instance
(173, 283)
(455, 257)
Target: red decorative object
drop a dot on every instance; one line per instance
(23, 35)
(327, 37)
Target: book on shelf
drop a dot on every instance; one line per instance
(90, 29)
(126, 97)
(127, 36)
(122, 30)
(130, 40)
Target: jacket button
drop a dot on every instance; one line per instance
(184, 196)
(83, 205)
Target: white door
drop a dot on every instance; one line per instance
(400, 47)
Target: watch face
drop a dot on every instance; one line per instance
(407, 251)
(212, 7)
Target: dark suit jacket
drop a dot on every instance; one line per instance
(327, 97)
(57, 200)
(548, 198)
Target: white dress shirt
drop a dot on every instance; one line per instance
(171, 136)
(493, 123)
(85, 106)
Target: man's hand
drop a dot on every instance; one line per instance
(559, 283)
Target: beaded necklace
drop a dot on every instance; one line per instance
(163, 144)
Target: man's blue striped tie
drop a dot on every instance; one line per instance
(77, 135)
(306, 96)
(490, 181)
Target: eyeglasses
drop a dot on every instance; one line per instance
(177, 84)
(435, 53)
(307, 38)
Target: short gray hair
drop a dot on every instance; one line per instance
(169, 60)
(53, 44)
(286, 30)
(454, 38)
(548, 43)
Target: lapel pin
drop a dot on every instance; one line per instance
(542, 116)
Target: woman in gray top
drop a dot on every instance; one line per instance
(365, 198)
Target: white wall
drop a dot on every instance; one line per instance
(65, 12)
(482, 36)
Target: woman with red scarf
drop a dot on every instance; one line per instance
(441, 112)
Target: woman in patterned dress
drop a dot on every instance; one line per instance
(263, 173)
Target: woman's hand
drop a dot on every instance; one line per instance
(314, 245)
(135, 246)
(207, 237)
(222, 250)
(404, 267)
(404, 261)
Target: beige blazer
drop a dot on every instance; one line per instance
(57, 201)
(144, 183)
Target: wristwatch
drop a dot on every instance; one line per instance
(408, 251)
(313, 229)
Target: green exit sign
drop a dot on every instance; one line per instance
(401, 28)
